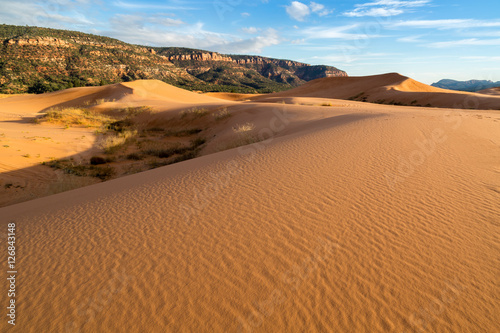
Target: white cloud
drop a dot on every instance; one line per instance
(253, 45)
(250, 30)
(342, 32)
(145, 6)
(319, 9)
(298, 11)
(481, 58)
(466, 42)
(410, 39)
(132, 29)
(447, 24)
(385, 8)
(245, 14)
(346, 59)
(164, 21)
(51, 13)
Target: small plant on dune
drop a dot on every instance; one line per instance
(112, 143)
(194, 112)
(96, 160)
(70, 167)
(133, 111)
(134, 157)
(326, 104)
(222, 114)
(101, 101)
(247, 127)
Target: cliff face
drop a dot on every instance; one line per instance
(288, 72)
(50, 59)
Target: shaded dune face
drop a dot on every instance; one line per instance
(491, 91)
(343, 217)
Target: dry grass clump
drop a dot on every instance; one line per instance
(112, 143)
(69, 166)
(194, 113)
(75, 117)
(222, 114)
(241, 128)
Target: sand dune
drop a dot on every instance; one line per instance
(388, 89)
(351, 217)
(490, 91)
(128, 93)
(374, 219)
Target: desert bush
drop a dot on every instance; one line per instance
(112, 143)
(134, 157)
(102, 172)
(194, 112)
(222, 114)
(96, 160)
(243, 128)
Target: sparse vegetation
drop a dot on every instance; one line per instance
(75, 117)
(70, 167)
(134, 157)
(112, 143)
(243, 128)
(194, 113)
(97, 160)
(222, 114)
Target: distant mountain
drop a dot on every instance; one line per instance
(471, 85)
(37, 60)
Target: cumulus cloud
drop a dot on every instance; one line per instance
(319, 9)
(300, 11)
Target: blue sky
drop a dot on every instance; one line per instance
(425, 39)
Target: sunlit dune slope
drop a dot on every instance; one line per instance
(389, 88)
(141, 91)
(376, 219)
